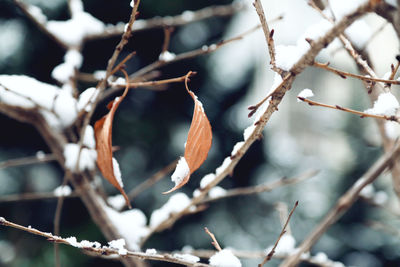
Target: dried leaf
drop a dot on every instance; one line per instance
(197, 145)
(103, 135)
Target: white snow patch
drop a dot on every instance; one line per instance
(225, 258)
(40, 155)
(99, 74)
(386, 104)
(88, 138)
(86, 98)
(73, 242)
(287, 55)
(131, 224)
(206, 180)
(182, 170)
(73, 31)
(151, 251)
(320, 257)
(37, 13)
(237, 147)
(175, 204)
(380, 197)
(248, 131)
(368, 191)
(342, 8)
(117, 201)
(87, 157)
(392, 129)
(65, 71)
(305, 93)
(187, 15)
(119, 244)
(187, 257)
(166, 56)
(285, 246)
(62, 190)
(224, 166)
(217, 191)
(117, 172)
(89, 244)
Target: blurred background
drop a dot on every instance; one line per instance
(151, 127)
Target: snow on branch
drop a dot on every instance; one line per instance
(115, 248)
(57, 106)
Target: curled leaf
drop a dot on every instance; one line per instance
(197, 145)
(103, 134)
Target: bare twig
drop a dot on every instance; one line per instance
(27, 160)
(152, 180)
(98, 250)
(214, 240)
(345, 74)
(25, 9)
(261, 188)
(57, 218)
(343, 204)
(267, 33)
(174, 21)
(337, 107)
(272, 252)
(32, 196)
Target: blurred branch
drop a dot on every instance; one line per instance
(101, 251)
(172, 21)
(25, 9)
(360, 113)
(27, 160)
(262, 187)
(33, 196)
(152, 180)
(343, 204)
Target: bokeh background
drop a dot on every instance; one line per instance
(151, 127)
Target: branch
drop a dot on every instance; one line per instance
(152, 180)
(214, 240)
(267, 33)
(33, 196)
(262, 187)
(343, 204)
(39, 158)
(185, 18)
(95, 247)
(345, 74)
(360, 113)
(272, 252)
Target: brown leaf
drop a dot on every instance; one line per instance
(197, 145)
(103, 135)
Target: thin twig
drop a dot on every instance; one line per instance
(27, 160)
(32, 196)
(251, 190)
(57, 218)
(267, 33)
(172, 21)
(272, 252)
(214, 240)
(343, 204)
(345, 74)
(337, 107)
(152, 180)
